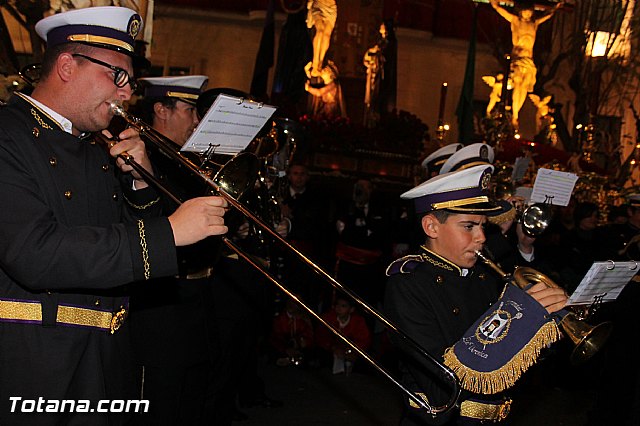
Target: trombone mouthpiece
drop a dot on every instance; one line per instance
(117, 109)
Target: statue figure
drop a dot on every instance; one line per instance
(523, 37)
(327, 100)
(57, 6)
(496, 90)
(322, 15)
(542, 108)
(545, 126)
(374, 62)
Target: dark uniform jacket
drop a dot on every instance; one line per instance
(70, 236)
(429, 299)
(171, 319)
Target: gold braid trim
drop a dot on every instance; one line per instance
(40, 120)
(34, 112)
(141, 207)
(433, 257)
(145, 252)
(503, 217)
(506, 376)
(437, 263)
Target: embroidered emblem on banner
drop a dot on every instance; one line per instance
(494, 327)
(502, 344)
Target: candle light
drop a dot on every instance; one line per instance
(443, 99)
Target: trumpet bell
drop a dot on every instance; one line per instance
(587, 339)
(536, 219)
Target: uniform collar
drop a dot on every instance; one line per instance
(55, 118)
(442, 263)
(295, 193)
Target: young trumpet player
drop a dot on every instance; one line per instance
(436, 295)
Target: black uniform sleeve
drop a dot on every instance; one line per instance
(414, 315)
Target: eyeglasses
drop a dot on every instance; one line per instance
(120, 77)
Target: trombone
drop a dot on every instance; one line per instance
(230, 182)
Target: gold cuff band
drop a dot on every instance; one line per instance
(484, 411)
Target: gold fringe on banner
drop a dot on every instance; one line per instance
(491, 382)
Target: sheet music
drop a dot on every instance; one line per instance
(606, 279)
(229, 125)
(520, 167)
(524, 192)
(555, 184)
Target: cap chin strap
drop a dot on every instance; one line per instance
(458, 203)
(182, 95)
(88, 38)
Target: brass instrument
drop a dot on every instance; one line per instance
(231, 181)
(536, 218)
(31, 74)
(586, 338)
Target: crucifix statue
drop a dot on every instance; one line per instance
(524, 25)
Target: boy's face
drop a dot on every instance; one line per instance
(342, 307)
(457, 239)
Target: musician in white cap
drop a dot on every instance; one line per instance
(177, 357)
(434, 161)
(469, 156)
(80, 226)
(169, 104)
(437, 294)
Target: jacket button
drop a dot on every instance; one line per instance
(115, 196)
(482, 276)
(456, 310)
(105, 167)
(53, 161)
(67, 195)
(439, 279)
(36, 132)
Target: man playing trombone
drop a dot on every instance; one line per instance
(74, 233)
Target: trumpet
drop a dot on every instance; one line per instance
(230, 182)
(587, 339)
(535, 219)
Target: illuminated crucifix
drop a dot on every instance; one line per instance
(524, 26)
